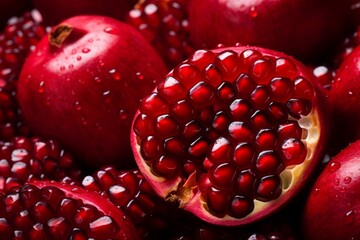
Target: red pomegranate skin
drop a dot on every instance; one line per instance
(308, 30)
(344, 97)
(56, 11)
(85, 92)
(332, 208)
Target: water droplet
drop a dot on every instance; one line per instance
(97, 79)
(73, 51)
(337, 182)
(334, 166)
(139, 76)
(347, 180)
(78, 58)
(253, 12)
(349, 217)
(90, 40)
(41, 88)
(111, 30)
(86, 50)
(77, 106)
(101, 63)
(71, 66)
(62, 68)
(123, 114)
(115, 75)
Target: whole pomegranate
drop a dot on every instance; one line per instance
(56, 11)
(344, 97)
(231, 134)
(332, 208)
(305, 29)
(82, 84)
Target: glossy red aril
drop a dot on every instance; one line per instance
(132, 193)
(82, 85)
(18, 39)
(24, 159)
(332, 208)
(165, 25)
(50, 210)
(301, 28)
(10, 8)
(231, 134)
(58, 10)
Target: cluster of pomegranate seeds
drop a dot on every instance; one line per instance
(131, 192)
(164, 23)
(24, 159)
(233, 119)
(19, 37)
(31, 212)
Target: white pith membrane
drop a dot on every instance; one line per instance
(189, 197)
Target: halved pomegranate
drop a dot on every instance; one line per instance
(51, 210)
(231, 134)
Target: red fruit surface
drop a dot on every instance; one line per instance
(50, 210)
(24, 159)
(332, 208)
(344, 97)
(56, 11)
(10, 8)
(165, 25)
(82, 89)
(307, 30)
(231, 134)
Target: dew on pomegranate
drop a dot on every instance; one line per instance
(86, 50)
(349, 217)
(334, 166)
(115, 74)
(347, 180)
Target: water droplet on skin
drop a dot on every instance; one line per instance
(97, 79)
(349, 217)
(111, 30)
(90, 40)
(73, 51)
(41, 88)
(78, 58)
(71, 66)
(334, 166)
(77, 106)
(253, 12)
(347, 180)
(139, 76)
(114, 74)
(337, 182)
(86, 50)
(62, 68)
(123, 115)
(101, 63)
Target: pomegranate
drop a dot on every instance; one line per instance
(231, 134)
(332, 208)
(56, 11)
(10, 8)
(130, 191)
(344, 97)
(165, 24)
(50, 210)
(19, 37)
(305, 29)
(82, 84)
(24, 159)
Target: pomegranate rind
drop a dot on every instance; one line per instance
(186, 193)
(332, 206)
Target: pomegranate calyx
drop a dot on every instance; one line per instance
(59, 35)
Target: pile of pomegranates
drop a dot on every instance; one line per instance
(180, 119)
